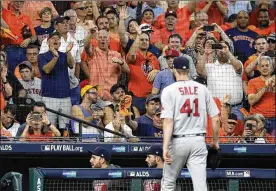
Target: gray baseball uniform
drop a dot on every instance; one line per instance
(33, 88)
(186, 102)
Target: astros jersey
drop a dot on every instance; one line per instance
(187, 103)
(33, 88)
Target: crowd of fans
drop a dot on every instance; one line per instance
(81, 58)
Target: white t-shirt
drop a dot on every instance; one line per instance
(222, 79)
(33, 88)
(187, 103)
(108, 137)
(75, 52)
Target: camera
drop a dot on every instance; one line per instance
(270, 53)
(37, 117)
(249, 126)
(208, 28)
(217, 46)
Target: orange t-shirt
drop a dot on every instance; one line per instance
(263, 32)
(209, 127)
(32, 9)
(16, 23)
(250, 59)
(224, 138)
(2, 101)
(114, 43)
(103, 71)
(4, 132)
(183, 23)
(214, 15)
(239, 128)
(40, 137)
(139, 71)
(163, 35)
(226, 26)
(266, 105)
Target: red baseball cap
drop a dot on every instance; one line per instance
(171, 53)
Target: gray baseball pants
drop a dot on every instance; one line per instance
(191, 151)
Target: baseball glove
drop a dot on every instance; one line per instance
(124, 105)
(213, 158)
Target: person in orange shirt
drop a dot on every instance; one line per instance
(262, 4)
(160, 38)
(102, 23)
(183, 15)
(216, 10)
(231, 22)
(20, 24)
(201, 19)
(261, 93)
(36, 128)
(144, 66)
(226, 132)
(32, 9)
(265, 27)
(100, 64)
(250, 66)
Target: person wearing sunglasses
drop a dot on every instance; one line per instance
(82, 10)
(271, 39)
(84, 111)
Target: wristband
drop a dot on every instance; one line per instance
(49, 124)
(4, 82)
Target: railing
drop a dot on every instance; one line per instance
(81, 122)
(134, 179)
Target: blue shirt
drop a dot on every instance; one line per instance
(157, 10)
(43, 33)
(243, 43)
(147, 129)
(163, 79)
(153, 49)
(56, 83)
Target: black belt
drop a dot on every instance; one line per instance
(189, 135)
(234, 105)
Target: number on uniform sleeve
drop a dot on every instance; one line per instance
(186, 108)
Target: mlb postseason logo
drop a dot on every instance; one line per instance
(240, 149)
(185, 174)
(139, 148)
(69, 174)
(61, 148)
(237, 173)
(119, 148)
(138, 174)
(115, 174)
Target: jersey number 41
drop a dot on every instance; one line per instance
(186, 108)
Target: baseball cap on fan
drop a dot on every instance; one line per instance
(145, 28)
(171, 53)
(170, 13)
(152, 97)
(60, 19)
(181, 63)
(25, 64)
(101, 152)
